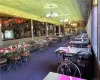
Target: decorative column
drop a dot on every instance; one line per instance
(22, 32)
(32, 29)
(54, 27)
(59, 30)
(46, 30)
(1, 42)
(64, 28)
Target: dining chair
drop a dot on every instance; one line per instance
(30, 46)
(14, 58)
(83, 59)
(3, 61)
(67, 67)
(59, 56)
(25, 53)
(62, 55)
(46, 45)
(54, 42)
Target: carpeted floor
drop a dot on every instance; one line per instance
(36, 68)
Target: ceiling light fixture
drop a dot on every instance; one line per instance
(64, 20)
(51, 14)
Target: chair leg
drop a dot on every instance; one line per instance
(15, 65)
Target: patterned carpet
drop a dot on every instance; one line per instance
(36, 68)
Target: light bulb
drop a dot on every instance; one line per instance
(65, 20)
(55, 14)
(48, 15)
(52, 15)
(61, 20)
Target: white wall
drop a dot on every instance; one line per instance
(88, 27)
(94, 29)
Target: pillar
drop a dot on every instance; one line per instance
(46, 30)
(59, 30)
(22, 32)
(1, 42)
(32, 34)
(64, 33)
(53, 29)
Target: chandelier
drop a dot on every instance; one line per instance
(64, 20)
(51, 14)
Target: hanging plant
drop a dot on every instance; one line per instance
(6, 23)
(21, 20)
(13, 22)
(16, 21)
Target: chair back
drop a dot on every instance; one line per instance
(69, 68)
(83, 58)
(2, 55)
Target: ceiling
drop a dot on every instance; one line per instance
(73, 10)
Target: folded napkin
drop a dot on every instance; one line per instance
(2, 51)
(65, 77)
(67, 50)
(89, 46)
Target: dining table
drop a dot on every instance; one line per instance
(81, 37)
(57, 76)
(79, 42)
(72, 50)
(12, 48)
(7, 50)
